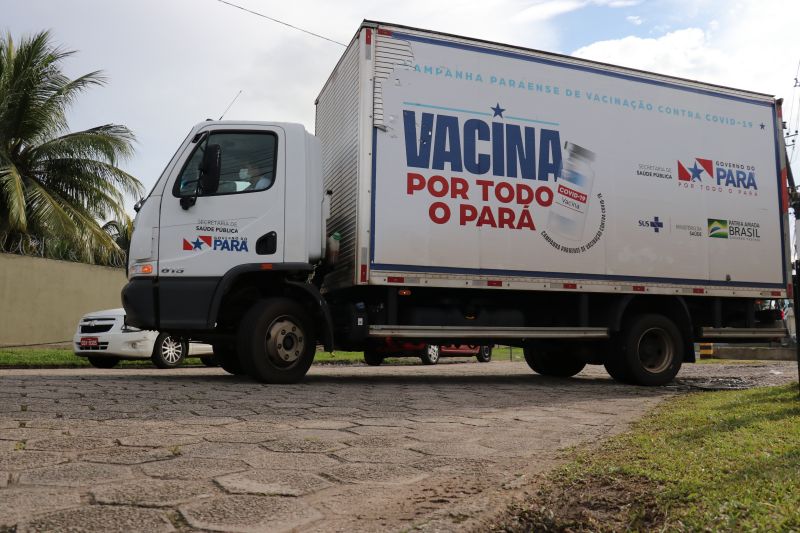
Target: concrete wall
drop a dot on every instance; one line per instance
(41, 300)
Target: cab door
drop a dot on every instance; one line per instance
(205, 231)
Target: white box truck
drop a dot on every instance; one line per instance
(473, 192)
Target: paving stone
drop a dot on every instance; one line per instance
(222, 450)
(75, 474)
(290, 461)
(207, 420)
(68, 444)
(192, 468)
(24, 459)
(154, 440)
(101, 519)
(17, 504)
(273, 482)
(375, 473)
(154, 492)
(247, 513)
(302, 445)
(323, 424)
(242, 437)
(454, 449)
(24, 434)
(385, 422)
(379, 455)
(378, 441)
(128, 455)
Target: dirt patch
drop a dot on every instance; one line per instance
(619, 503)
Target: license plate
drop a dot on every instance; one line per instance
(89, 342)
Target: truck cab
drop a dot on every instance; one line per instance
(238, 209)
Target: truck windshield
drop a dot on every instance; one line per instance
(247, 163)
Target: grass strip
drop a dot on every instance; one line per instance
(64, 358)
(721, 461)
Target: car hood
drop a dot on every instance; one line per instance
(106, 313)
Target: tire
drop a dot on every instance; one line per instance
(372, 358)
(484, 355)
(169, 351)
(555, 362)
(227, 359)
(431, 354)
(209, 360)
(276, 341)
(649, 351)
(103, 362)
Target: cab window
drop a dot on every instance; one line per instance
(247, 164)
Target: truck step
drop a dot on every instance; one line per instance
(744, 333)
(470, 332)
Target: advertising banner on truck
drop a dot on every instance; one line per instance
(503, 162)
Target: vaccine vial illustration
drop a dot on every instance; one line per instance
(573, 192)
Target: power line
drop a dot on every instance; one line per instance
(281, 22)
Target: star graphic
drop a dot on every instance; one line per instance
(695, 172)
(198, 244)
(498, 111)
(762, 125)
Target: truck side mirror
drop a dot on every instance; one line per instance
(209, 172)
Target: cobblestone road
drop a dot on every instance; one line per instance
(351, 448)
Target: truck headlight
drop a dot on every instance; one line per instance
(142, 269)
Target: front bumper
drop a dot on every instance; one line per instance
(139, 301)
(169, 304)
(130, 345)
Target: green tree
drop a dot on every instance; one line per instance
(56, 186)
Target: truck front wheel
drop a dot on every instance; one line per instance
(556, 362)
(276, 341)
(649, 351)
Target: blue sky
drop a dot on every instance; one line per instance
(173, 63)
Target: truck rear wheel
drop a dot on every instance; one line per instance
(649, 351)
(556, 362)
(276, 341)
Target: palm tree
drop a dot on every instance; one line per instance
(56, 185)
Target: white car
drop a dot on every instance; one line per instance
(104, 339)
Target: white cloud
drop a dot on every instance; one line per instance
(635, 20)
(749, 47)
(617, 3)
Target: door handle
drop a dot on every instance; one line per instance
(267, 244)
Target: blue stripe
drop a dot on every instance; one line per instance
(534, 121)
(372, 200)
(566, 275)
(457, 110)
(780, 192)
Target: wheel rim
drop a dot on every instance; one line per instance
(656, 350)
(433, 353)
(285, 341)
(171, 350)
